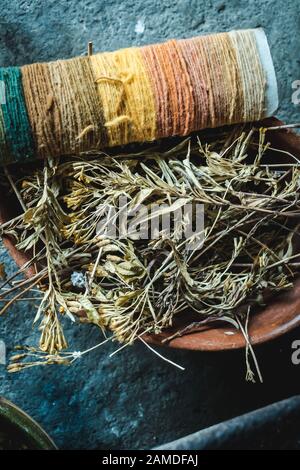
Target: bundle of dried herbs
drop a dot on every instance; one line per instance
(131, 285)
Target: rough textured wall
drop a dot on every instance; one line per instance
(134, 399)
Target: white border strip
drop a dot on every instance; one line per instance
(271, 93)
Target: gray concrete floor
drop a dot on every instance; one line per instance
(135, 400)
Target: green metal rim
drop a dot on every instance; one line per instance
(26, 425)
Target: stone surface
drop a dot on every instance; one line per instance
(134, 399)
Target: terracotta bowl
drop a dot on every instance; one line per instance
(280, 316)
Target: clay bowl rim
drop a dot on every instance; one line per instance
(281, 316)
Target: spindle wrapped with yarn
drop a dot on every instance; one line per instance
(135, 95)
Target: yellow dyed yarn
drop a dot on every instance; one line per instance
(127, 96)
(253, 80)
(79, 123)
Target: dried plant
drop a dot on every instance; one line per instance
(133, 286)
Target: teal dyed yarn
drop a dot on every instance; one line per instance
(16, 127)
